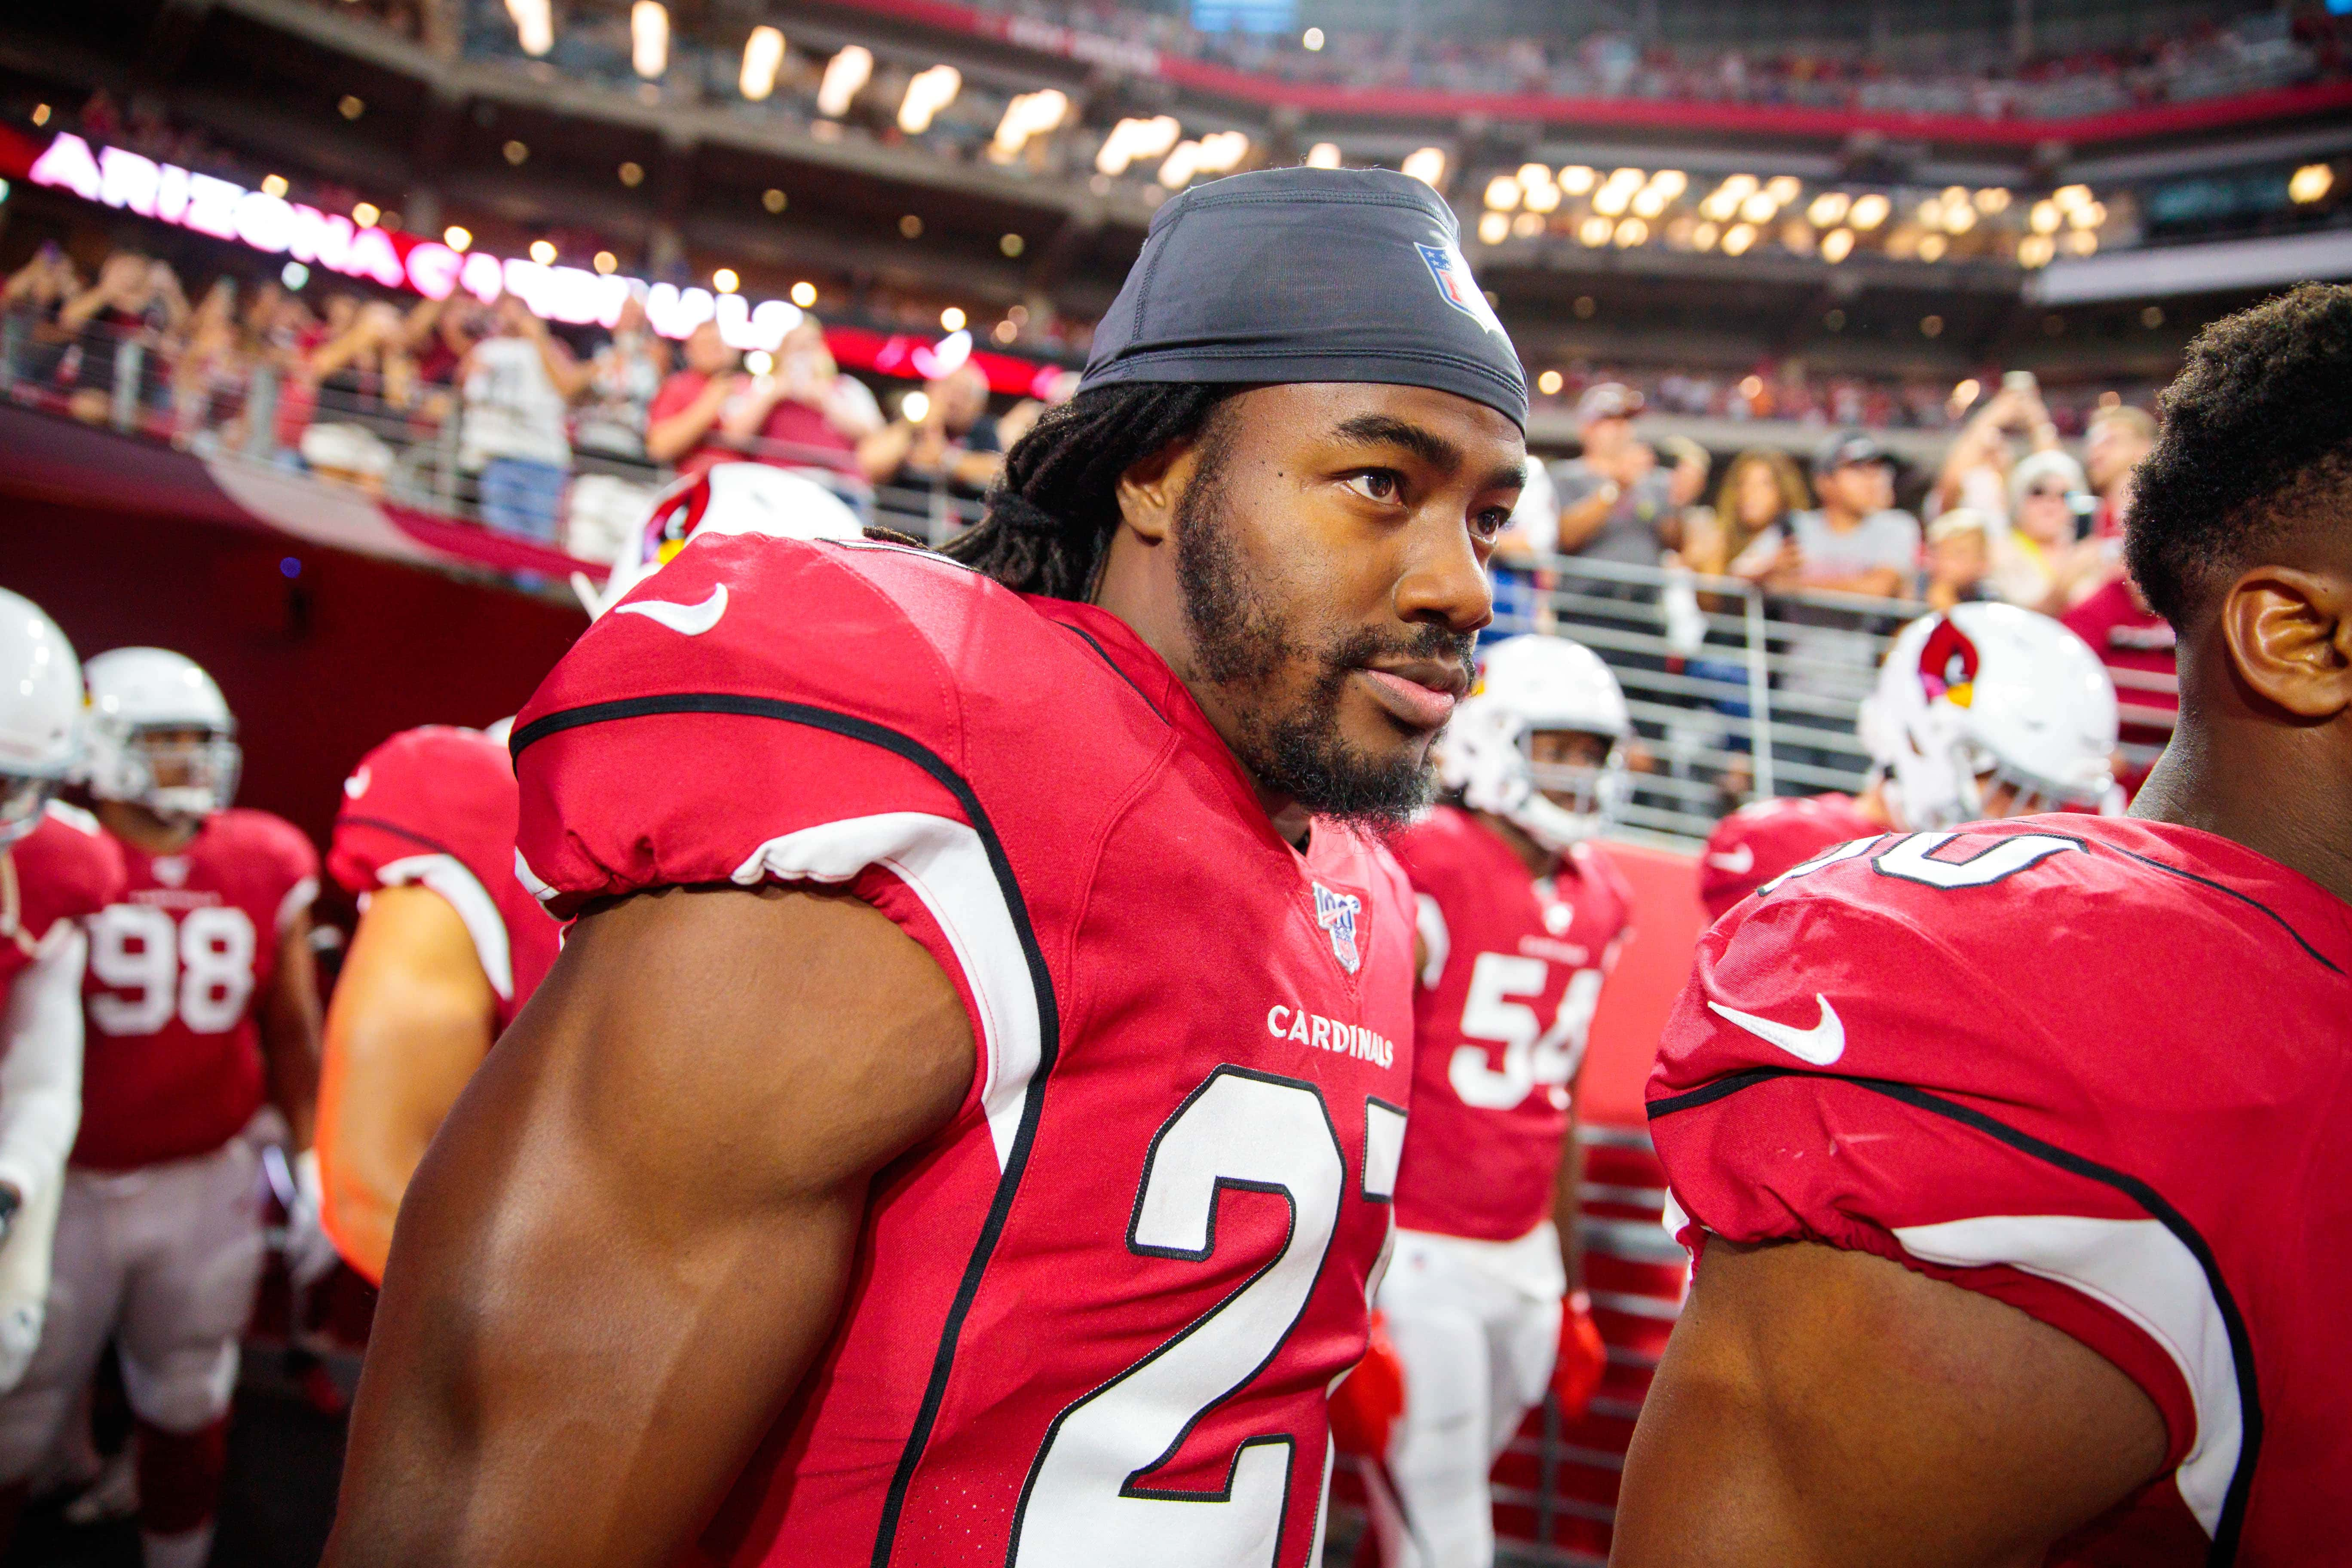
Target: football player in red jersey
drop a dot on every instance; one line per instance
(1520, 917)
(449, 947)
(2015, 1157)
(202, 1004)
(57, 869)
(449, 944)
(961, 1124)
(1982, 711)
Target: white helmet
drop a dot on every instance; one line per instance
(1989, 693)
(1529, 684)
(40, 713)
(727, 497)
(137, 697)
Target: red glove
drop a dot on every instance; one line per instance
(1576, 1373)
(1366, 1405)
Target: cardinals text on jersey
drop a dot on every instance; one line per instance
(173, 1065)
(435, 807)
(2087, 1065)
(1511, 975)
(1099, 1313)
(1759, 841)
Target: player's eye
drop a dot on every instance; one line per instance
(1381, 485)
(1488, 525)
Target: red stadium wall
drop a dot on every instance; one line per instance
(1668, 921)
(319, 667)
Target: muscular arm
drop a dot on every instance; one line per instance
(632, 1236)
(289, 1030)
(40, 1070)
(1820, 1409)
(412, 1018)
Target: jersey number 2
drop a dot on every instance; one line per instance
(199, 966)
(1084, 1503)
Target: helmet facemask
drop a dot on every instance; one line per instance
(179, 772)
(22, 798)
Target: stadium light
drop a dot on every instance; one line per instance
(1503, 193)
(1828, 208)
(1219, 154)
(1576, 179)
(1669, 183)
(2035, 250)
(1595, 231)
(1612, 200)
(1494, 228)
(1738, 238)
(763, 51)
(2069, 197)
(1630, 233)
(1426, 165)
(1323, 156)
(1738, 187)
(928, 92)
(2310, 184)
(724, 281)
(916, 407)
(649, 39)
(1991, 200)
(804, 295)
(1931, 248)
(1869, 211)
(1132, 139)
(542, 252)
(1527, 226)
(1649, 202)
(1759, 208)
(274, 186)
(606, 263)
(1783, 189)
(1029, 114)
(2045, 218)
(1837, 244)
(534, 25)
(1549, 383)
(952, 319)
(1704, 237)
(2090, 216)
(1964, 396)
(2083, 242)
(366, 213)
(1959, 216)
(845, 75)
(1312, 38)
(1541, 198)
(458, 239)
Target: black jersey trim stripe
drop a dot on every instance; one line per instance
(1049, 1026)
(1114, 669)
(397, 831)
(2224, 1549)
(2223, 888)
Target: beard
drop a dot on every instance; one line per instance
(1243, 644)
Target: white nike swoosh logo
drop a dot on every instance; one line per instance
(1821, 1045)
(693, 620)
(356, 786)
(1739, 862)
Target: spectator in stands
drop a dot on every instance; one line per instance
(365, 381)
(1857, 542)
(2042, 561)
(954, 443)
(623, 376)
(803, 412)
(2138, 646)
(517, 386)
(682, 421)
(136, 303)
(1960, 559)
(36, 293)
(1761, 488)
(1614, 502)
(210, 373)
(1976, 467)
(2117, 439)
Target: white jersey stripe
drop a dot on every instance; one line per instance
(462, 892)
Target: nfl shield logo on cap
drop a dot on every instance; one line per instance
(1338, 913)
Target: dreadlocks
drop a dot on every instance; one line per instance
(1052, 514)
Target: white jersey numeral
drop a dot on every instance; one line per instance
(1085, 1502)
(1911, 858)
(199, 967)
(1533, 1057)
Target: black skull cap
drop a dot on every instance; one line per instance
(1302, 275)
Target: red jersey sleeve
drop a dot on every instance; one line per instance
(722, 727)
(69, 869)
(281, 860)
(1833, 1072)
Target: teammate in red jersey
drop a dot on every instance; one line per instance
(1982, 711)
(971, 1092)
(449, 944)
(449, 947)
(201, 1005)
(2015, 1157)
(1520, 917)
(57, 869)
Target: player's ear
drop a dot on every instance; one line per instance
(1150, 491)
(2290, 635)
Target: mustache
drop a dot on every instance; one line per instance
(1426, 641)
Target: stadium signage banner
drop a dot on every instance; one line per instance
(272, 224)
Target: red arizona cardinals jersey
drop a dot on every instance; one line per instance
(1759, 841)
(437, 806)
(1510, 975)
(172, 1064)
(1095, 1319)
(65, 870)
(1945, 1048)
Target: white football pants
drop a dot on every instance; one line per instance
(1476, 1324)
(166, 1260)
